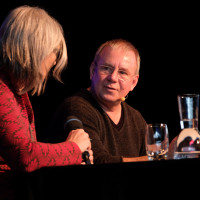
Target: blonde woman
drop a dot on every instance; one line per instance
(31, 43)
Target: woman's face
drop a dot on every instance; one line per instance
(49, 62)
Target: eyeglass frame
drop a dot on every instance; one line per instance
(112, 70)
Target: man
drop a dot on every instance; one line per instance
(116, 129)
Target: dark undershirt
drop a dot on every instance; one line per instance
(120, 123)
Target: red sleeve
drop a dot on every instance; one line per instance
(18, 145)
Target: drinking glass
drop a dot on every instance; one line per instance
(188, 105)
(157, 141)
(188, 140)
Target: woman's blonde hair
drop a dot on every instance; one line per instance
(27, 36)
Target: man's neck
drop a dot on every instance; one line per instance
(113, 110)
(114, 114)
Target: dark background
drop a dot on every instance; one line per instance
(166, 35)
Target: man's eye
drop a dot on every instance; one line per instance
(123, 72)
(106, 68)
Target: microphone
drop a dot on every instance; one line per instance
(73, 123)
(123, 99)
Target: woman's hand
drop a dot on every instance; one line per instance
(81, 138)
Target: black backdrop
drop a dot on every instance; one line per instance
(166, 35)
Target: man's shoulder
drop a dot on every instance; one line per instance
(130, 108)
(81, 97)
(132, 112)
(81, 101)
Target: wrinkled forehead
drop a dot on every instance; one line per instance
(118, 57)
(116, 54)
(115, 50)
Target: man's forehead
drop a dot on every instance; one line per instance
(109, 53)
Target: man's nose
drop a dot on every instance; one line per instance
(113, 76)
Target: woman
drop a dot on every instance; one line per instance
(31, 43)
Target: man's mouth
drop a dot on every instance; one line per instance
(110, 88)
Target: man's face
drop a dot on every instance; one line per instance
(114, 74)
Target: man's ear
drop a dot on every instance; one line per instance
(92, 67)
(134, 82)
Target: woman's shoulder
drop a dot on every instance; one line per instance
(5, 89)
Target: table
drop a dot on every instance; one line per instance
(116, 181)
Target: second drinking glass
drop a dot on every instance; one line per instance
(157, 141)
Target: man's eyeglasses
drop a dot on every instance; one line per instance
(108, 70)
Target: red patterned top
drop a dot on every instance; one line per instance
(19, 149)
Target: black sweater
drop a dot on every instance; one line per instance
(110, 142)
